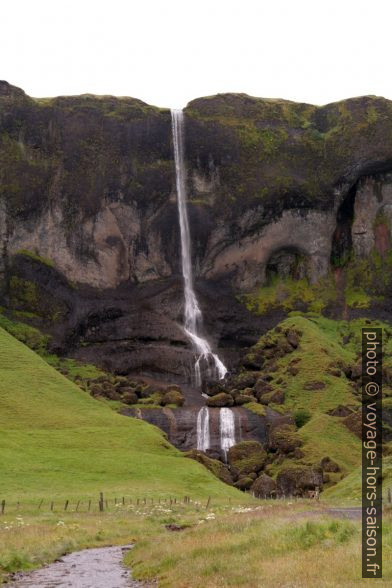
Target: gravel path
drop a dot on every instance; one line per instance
(90, 568)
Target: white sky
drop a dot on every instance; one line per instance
(168, 52)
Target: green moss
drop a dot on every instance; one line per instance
(27, 297)
(35, 256)
(27, 334)
(258, 409)
(288, 293)
(24, 294)
(372, 114)
(356, 297)
(381, 219)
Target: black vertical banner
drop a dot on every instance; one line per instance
(371, 452)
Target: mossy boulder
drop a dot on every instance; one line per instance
(262, 387)
(244, 483)
(173, 396)
(128, 396)
(329, 465)
(298, 480)
(273, 397)
(284, 439)
(246, 457)
(215, 466)
(264, 487)
(241, 399)
(245, 380)
(254, 360)
(220, 400)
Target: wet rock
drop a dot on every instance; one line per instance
(264, 487)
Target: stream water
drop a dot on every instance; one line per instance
(90, 568)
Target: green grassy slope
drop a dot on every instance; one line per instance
(325, 347)
(57, 441)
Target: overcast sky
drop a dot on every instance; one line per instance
(167, 52)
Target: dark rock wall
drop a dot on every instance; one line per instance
(89, 236)
(180, 425)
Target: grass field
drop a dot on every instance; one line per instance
(267, 546)
(58, 442)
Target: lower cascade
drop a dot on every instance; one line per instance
(227, 429)
(203, 429)
(206, 359)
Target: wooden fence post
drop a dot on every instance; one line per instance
(52, 506)
(2, 506)
(89, 505)
(101, 502)
(40, 504)
(77, 506)
(389, 496)
(66, 504)
(208, 502)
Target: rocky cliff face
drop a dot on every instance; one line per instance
(89, 228)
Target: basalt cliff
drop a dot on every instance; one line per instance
(290, 208)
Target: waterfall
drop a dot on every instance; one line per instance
(227, 429)
(203, 429)
(192, 315)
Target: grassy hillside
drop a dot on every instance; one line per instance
(314, 381)
(57, 441)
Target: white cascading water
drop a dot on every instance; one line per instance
(192, 316)
(203, 429)
(227, 430)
